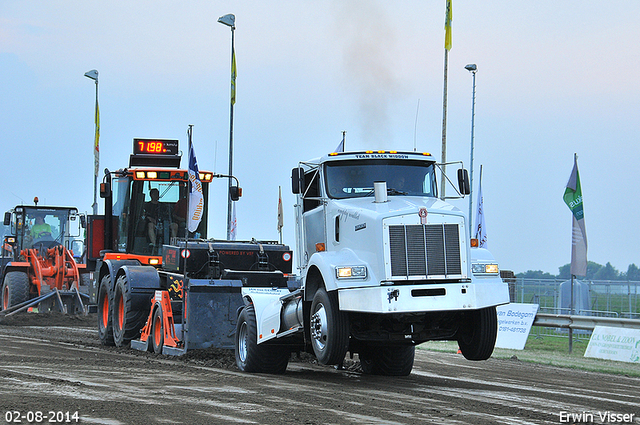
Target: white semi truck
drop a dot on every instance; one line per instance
(384, 265)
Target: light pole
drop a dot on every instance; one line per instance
(230, 21)
(473, 69)
(93, 74)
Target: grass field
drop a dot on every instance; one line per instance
(550, 350)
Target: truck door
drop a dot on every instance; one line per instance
(313, 216)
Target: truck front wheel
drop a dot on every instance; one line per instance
(477, 336)
(251, 357)
(329, 328)
(389, 361)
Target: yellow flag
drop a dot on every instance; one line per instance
(96, 148)
(233, 77)
(447, 26)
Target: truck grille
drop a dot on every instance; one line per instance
(425, 250)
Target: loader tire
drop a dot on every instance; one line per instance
(388, 361)
(329, 328)
(477, 335)
(15, 289)
(254, 358)
(105, 312)
(127, 323)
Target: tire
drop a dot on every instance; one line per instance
(388, 361)
(15, 289)
(105, 312)
(254, 358)
(329, 328)
(477, 336)
(127, 323)
(157, 331)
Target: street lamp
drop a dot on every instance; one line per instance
(93, 74)
(473, 69)
(230, 21)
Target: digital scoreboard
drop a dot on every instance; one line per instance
(155, 147)
(155, 153)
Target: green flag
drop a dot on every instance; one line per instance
(573, 199)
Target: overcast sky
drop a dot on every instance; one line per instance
(554, 79)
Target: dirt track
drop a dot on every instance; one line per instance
(64, 368)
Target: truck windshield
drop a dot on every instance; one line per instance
(351, 179)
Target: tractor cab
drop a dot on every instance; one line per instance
(146, 205)
(149, 208)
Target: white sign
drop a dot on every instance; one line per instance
(611, 343)
(514, 324)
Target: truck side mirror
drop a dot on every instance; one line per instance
(7, 218)
(235, 192)
(83, 221)
(463, 181)
(105, 190)
(297, 180)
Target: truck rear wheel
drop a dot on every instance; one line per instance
(251, 357)
(15, 289)
(389, 361)
(477, 337)
(127, 323)
(105, 307)
(329, 328)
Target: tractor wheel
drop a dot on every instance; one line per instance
(127, 323)
(477, 336)
(157, 331)
(15, 289)
(329, 328)
(389, 361)
(105, 312)
(251, 357)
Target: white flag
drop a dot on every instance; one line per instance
(196, 199)
(481, 229)
(234, 224)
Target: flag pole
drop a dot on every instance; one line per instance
(447, 47)
(280, 218)
(186, 221)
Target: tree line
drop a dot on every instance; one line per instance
(595, 271)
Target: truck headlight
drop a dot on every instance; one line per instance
(482, 268)
(351, 272)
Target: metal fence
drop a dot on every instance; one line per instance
(616, 299)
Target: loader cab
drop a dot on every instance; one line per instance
(42, 227)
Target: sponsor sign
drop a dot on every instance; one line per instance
(514, 324)
(612, 343)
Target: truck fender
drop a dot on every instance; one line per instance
(481, 255)
(267, 305)
(325, 263)
(140, 277)
(111, 268)
(143, 281)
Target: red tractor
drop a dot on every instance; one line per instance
(38, 269)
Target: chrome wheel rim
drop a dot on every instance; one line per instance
(319, 329)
